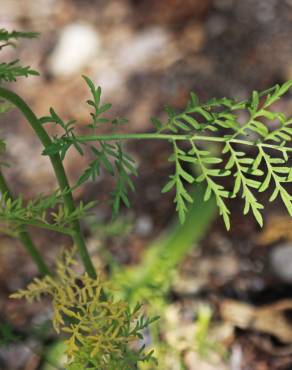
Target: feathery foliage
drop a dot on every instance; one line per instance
(99, 331)
(253, 155)
(39, 213)
(6, 36)
(108, 157)
(10, 71)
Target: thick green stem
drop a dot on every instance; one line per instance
(59, 172)
(24, 237)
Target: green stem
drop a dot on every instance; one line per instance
(24, 237)
(171, 137)
(59, 172)
(41, 225)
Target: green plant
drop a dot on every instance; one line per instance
(251, 155)
(100, 330)
(152, 277)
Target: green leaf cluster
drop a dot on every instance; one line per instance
(44, 212)
(62, 143)
(97, 115)
(177, 180)
(108, 157)
(255, 156)
(6, 36)
(10, 71)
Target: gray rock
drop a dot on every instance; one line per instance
(144, 225)
(281, 261)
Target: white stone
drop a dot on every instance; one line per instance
(281, 261)
(78, 44)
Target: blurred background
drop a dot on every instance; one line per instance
(145, 54)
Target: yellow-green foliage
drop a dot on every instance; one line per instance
(102, 334)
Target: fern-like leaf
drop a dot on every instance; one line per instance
(99, 332)
(10, 71)
(254, 170)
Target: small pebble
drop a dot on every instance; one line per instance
(281, 262)
(144, 225)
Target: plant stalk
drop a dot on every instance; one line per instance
(171, 137)
(59, 172)
(24, 236)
